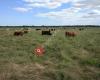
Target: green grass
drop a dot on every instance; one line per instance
(65, 58)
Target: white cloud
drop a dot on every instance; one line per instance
(30, 1)
(97, 11)
(36, 5)
(63, 14)
(22, 9)
(79, 9)
(92, 14)
(47, 5)
(51, 4)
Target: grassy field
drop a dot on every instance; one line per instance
(65, 58)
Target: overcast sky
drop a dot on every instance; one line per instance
(49, 12)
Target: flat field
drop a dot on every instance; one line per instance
(65, 58)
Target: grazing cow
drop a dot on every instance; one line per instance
(38, 29)
(46, 33)
(54, 29)
(70, 34)
(51, 29)
(81, 29)
(18, 33)
(25, 31)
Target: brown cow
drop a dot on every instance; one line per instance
(71, 34)
(18, 33)
(25, 31)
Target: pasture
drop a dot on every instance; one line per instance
(65, 58)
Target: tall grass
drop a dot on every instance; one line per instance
(65, 58)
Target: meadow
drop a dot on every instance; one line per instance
(65, 58)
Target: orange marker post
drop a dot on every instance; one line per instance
(39, 51)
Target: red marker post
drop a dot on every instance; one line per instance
(39, 51)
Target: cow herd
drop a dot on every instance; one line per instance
(67, 33)
(45, 32)
(21, 32)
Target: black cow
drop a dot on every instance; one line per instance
(46, 33)
(38, 29)
(81, 29)
(52, 29)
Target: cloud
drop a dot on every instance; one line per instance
(63, 14)
(47, 5)
(71, 17)
(92, 14)
(79, 9)
(32, 1)
(51, 4)
(22, 9)
(87, 3)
